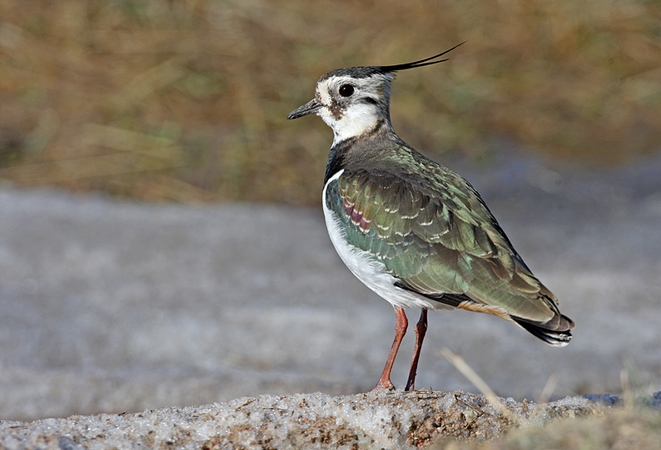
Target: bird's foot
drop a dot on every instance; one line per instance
(383, 384)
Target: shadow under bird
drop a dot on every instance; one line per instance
(412, 230)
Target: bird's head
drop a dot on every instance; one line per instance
(356, 100)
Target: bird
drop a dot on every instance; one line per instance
(413, 231)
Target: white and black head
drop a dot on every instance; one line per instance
(356, 100)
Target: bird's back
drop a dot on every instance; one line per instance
(434, 234)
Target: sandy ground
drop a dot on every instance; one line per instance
(381, 420)
(115, 306)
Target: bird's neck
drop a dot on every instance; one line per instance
(373, 146)
(337, 158)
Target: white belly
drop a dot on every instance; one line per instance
(366, 268)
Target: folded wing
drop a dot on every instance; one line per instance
(440, 241)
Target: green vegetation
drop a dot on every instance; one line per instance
(186, 100)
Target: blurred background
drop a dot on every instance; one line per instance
(551, 109)
(186, 100)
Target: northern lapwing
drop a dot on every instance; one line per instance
(413, 231)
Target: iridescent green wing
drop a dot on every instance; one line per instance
(437, 237)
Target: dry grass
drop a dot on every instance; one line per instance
(634, 423)
(620, 429)
(185, 99)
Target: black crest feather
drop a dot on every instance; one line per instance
(368, 71)
(420, 63)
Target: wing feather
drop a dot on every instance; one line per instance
(433, 232)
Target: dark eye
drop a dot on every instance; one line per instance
(346, 90)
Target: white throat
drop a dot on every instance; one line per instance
(356, 120)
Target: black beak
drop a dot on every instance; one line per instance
(310, 107)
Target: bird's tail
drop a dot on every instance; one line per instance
(555, 332)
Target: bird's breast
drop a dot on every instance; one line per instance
(363, 264)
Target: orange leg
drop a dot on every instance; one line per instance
(420, 330)
(401, 325)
